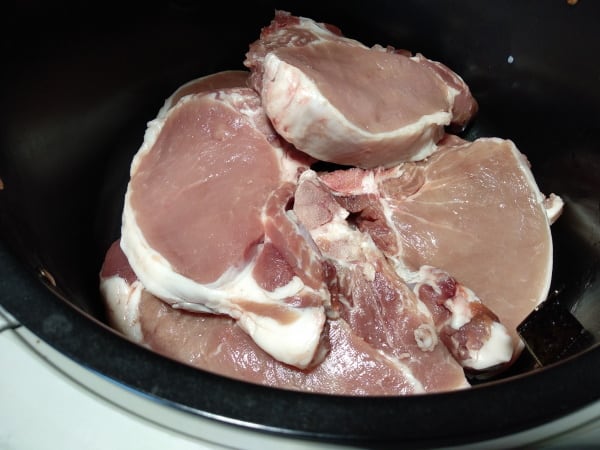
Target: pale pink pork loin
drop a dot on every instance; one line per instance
(472, 209)
(343, 102)
(216, 343)
(421, 326)
(205, 226)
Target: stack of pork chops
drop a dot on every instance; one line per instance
(401, 269)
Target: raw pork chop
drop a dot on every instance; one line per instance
(342, 102)
(472, 209)
(217, 343)
(205, 226)
(382, 309)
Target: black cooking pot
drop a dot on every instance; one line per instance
(79, 83)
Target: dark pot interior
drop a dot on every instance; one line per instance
(81, 81)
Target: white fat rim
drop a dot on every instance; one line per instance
(123, 300)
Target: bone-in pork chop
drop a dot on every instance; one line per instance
(343, 102)
(205, 226)
(472, 209)
(421, 330)
(216, 343)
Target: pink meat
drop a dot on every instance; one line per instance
(203, 218)
(371, 290)
(370, 296)
(216, 343)
(342, 102)
(472, 210)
